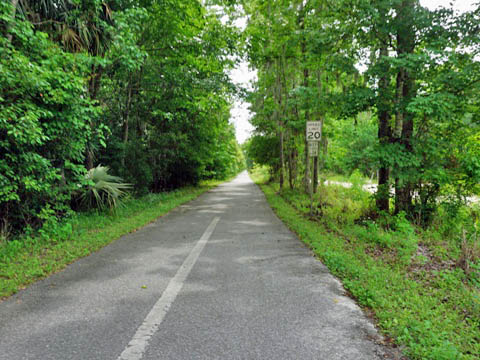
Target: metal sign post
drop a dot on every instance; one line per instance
(314, 136)
(312, 152)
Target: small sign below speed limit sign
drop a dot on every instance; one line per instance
(313, 148)
(314, 130)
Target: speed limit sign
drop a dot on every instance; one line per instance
(314, 130)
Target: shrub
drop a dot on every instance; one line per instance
(103, 190)
(44, 117)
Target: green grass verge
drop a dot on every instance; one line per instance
(430, 314)
(32, 258)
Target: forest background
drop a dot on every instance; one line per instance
(140, 87)
(394, 211)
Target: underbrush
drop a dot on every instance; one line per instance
(58, 243)
(422, 285)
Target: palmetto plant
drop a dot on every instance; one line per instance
(78, 26)
(104, 190)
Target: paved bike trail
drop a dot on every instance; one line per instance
(218, 278)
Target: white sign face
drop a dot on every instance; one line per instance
(314, 130)
(313, 148)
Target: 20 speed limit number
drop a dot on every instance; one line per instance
(314, 130)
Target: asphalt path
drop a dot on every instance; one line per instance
(218, 278)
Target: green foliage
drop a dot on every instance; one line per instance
(228, 159)
(137, 169)
(410, 115)
(263, 150)
(170, 118)
(43, 132)
(353, 145)
(140, 86)
(259, 174)
(431, 312)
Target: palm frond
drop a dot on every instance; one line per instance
(105, 190)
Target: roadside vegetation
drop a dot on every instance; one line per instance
(56, 244)
(394, 87)
(104, 98)
(112, 112)
(422, 287)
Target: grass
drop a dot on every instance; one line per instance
(31, 258)
(424, 303)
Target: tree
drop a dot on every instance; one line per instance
(415, 84)
(138, 86)
(43, 132)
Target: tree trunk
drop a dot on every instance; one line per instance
(93, 87)
(291, 171)
(321, 118)
(126, 119)
(278, 94)
(306, 180)
(14, 12)
(294, 165)
(384, 137)
(397, 133)
(405, 92)
(89, 159)
(383, 192)
(95, 79)
(282, 160)
(324, 149)
(301, 22)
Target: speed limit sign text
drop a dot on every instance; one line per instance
(314, 130)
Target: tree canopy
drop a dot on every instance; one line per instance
(140, 86)
(394, 84)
